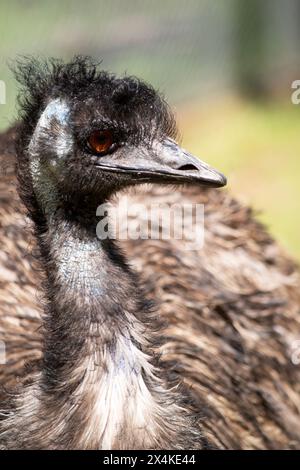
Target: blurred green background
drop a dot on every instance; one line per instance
(225, 66)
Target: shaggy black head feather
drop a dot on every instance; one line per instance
(136, 112)
(127, 100)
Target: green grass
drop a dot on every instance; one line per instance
(258, 147)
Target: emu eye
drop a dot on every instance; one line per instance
(101, 141)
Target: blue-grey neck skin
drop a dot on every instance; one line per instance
(49, 148)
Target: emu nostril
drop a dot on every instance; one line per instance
(188, 167)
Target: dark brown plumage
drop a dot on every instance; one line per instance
(231, 318)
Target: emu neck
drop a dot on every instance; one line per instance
(94, 341)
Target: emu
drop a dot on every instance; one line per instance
(178, 349)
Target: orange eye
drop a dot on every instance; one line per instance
(100, 141)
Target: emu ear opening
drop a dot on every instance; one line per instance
(165, 163)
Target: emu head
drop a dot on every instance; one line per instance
(87, 134)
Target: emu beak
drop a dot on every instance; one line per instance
(165, 162)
